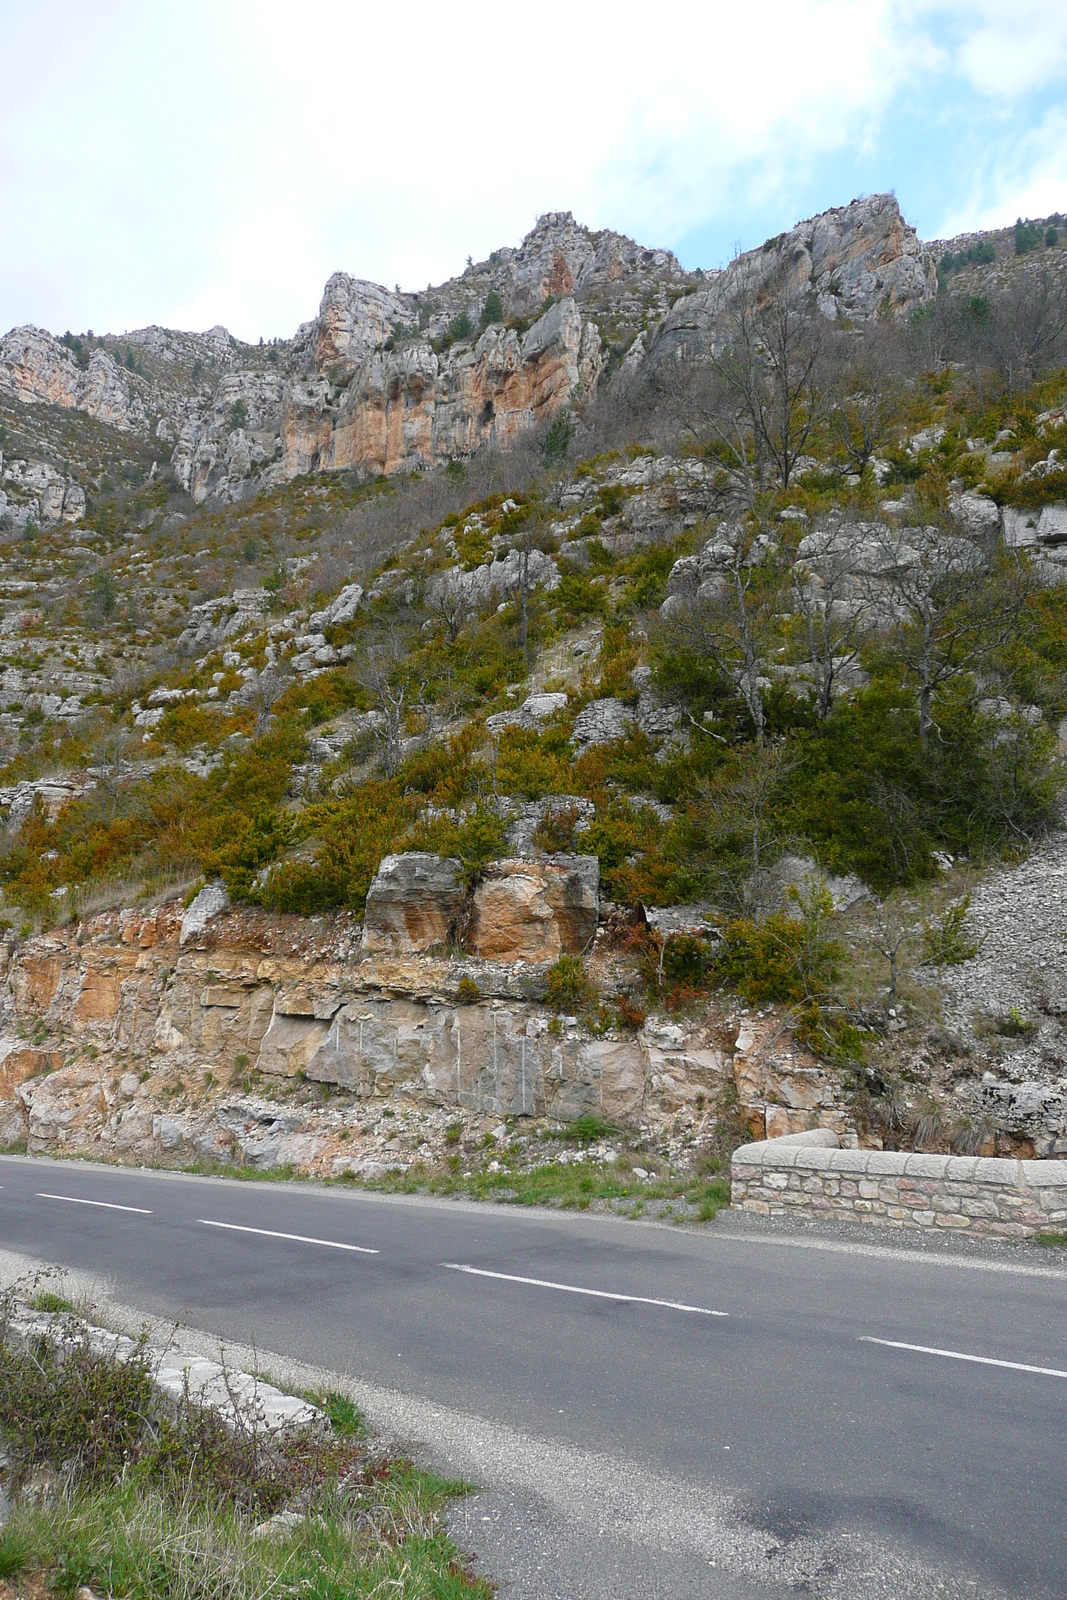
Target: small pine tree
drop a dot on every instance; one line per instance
(493, 310)
(559, 436)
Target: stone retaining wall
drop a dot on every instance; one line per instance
(808, 1173)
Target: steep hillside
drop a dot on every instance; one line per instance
(582, 694)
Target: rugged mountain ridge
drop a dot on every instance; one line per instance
(383, 381)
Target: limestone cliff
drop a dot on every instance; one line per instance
(385, 380)
(412, 407)
(858, 261)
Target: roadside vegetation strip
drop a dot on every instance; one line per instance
(578, 1187)
(573, 1288)
(134, 1497)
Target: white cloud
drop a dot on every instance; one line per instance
(215, 160)
(1023, 177)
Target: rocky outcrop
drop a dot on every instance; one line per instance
(412, 407)
(355, 318)
(218, 446)
(854, 261)
(36, 366)
(33, 491)
(381, 381)
(414, 903)
(521, 910)
(559, 257)
(535, 911)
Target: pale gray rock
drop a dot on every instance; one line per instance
(526, 815)
(413, 903)
(602, 722)
(211, 900)
(975, 513)
(535, 710)
(1032, 528)
(775, 888)
(851, 261)
(341, 609)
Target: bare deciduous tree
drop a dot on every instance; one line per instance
(1028, 325)
(833, 612)
(956, 605)
(733, 626)
(736, 803)
(384, 676)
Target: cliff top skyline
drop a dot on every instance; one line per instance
(207, 165)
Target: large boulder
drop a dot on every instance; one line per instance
(414, 903)
(535, 910)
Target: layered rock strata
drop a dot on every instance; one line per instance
(154, 1049)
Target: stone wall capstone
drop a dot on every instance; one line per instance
(806, 1173)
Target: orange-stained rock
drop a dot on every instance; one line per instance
(99, 997)
(411, 407)
(38, 980)
(19, 1065)
(535, 910)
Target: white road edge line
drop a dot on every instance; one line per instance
(297, 1238)
(105, 1205)
(571, 1288)
(958, 1355)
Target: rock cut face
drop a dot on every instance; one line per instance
(521, 910)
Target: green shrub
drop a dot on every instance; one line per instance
(687, 960)
(480, 837)
(493, 310)
(303, 888)
(1028, 236)
(785, 958)
(568, 986)
(586, 1129)
(558, 438)
(254, 842)
(948, 941)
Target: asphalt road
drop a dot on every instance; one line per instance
(653, 1412)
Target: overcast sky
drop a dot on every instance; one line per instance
(215, 160)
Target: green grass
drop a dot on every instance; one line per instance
(1056, 1240)
(50, 1302)
(346, 1419)
(566, 1186)
(153, 1503)
(131, 1541)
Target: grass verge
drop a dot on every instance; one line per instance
(117, 1492)
(573, 1187)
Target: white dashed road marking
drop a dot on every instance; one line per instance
(572, 1288)
(297, 1238)
(105, 1205)
(959, 1355)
